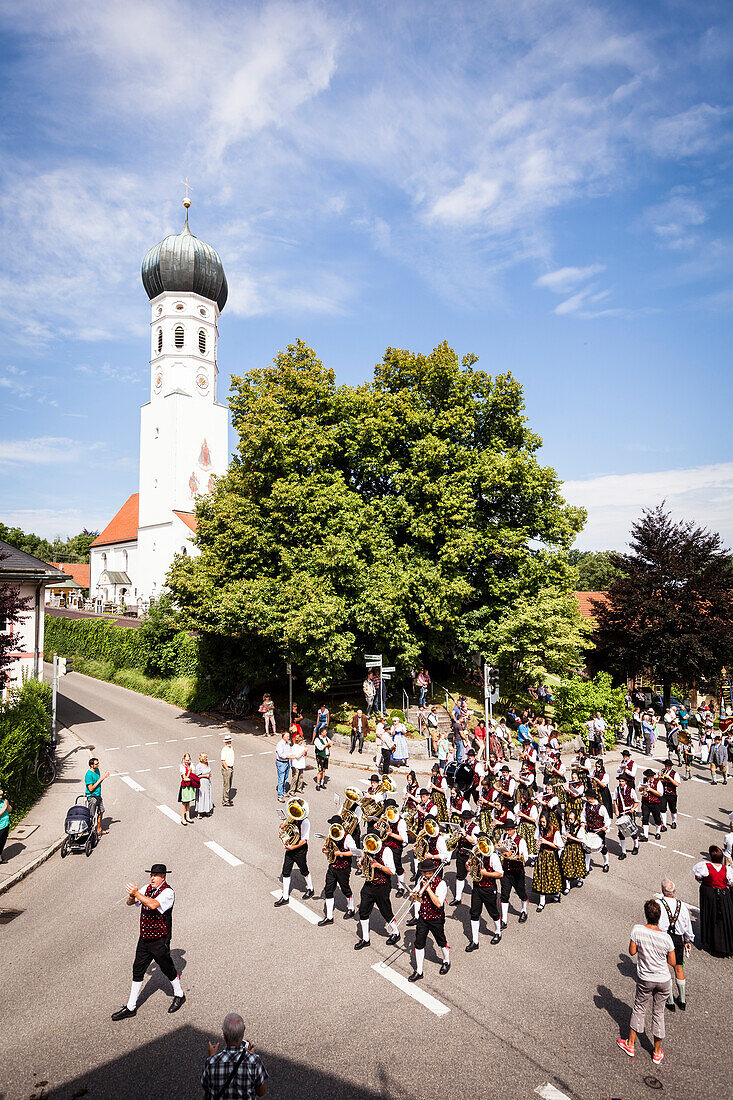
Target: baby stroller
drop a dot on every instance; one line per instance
(80, 828)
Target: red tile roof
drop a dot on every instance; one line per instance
(188, 518)
(585, 602)
(78, 573)
(123, 528)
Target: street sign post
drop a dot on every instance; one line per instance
(289, 669)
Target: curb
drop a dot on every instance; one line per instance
(30, 867)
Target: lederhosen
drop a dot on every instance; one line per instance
(594, 824)
(154, 943)
(376, 893)
(430, 918)
(669, 801)
(484, 894)
(299, 857)
(338, 874)
(396, 847)
(674, 935)
(513, 878)
(651, 805)
(463, 852)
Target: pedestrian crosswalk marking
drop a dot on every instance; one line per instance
(225, 855)
(298, 907)
(425, 999)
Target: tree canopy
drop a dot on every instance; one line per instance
(72, 550)
(670, 613)
(595, 569)
(404, 515)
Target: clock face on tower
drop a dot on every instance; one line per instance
(202, 380)
(158, 381)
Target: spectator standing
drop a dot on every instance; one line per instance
(379, 693)
(675, 921)
(282, 763)
(267, 710)
(422, 682)
(369, 692)
(5, 809)
(479, 734)
(298, 757)
(401, 751)
(187, 789)
(235, 1073)
(444, 750)
(385, 744)
(322, 745)
(323, 717)
(647, 732)
(227, 770)
(716, 907)
(204, 800)
(654, 951)
(524, 734)
(718, 759)
(433, 731)
(93, 788)
(296, 716)
(359, 730)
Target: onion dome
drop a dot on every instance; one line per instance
(183, 263)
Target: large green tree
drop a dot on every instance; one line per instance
(403, 515)
(73, 549)
(595, 569)
(670, 613)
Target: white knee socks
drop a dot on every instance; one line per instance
(497, 927)
(134, 994)
(474, 930)
(416, 910)
(308, 882)
(445, 951)
(505, 911)
(329, 908)
(606, 859)
(622, 842)
(587, 863)
(681, 989)
(364, 930)
(350, 903)
(286, 888)
(177, 987)
(419, 960)
(460, 883)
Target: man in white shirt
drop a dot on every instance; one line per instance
(675, 921)
(431, 917)
(282, 763)
(227, 770)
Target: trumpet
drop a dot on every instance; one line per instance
(371, 847)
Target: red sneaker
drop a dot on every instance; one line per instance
(626, 1048)
(657, 1058)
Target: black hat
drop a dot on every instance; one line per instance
(466, 815)
(428, 865)
(424, 790)
(389, 802)
(626, 753)
(335, 820)
(648, 772)
(158, 869)
(505, 768)
(373, 778)
(510, 822)
(470, 752)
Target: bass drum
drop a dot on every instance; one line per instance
(464, 777)
(591, 842)
(450, 772)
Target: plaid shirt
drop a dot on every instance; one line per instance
(249, 1076)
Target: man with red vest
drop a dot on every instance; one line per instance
(431, 916)
(154, 944)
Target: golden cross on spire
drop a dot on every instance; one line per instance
(187, 201)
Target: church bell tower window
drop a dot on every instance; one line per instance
(160, 340)
(178, 336)
(202, 341)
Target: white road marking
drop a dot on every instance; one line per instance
(247, 754)
(152, 742)
(549, 1092)
(432, 1003)
(171, 740)
(696, 779)
(267, 752)
(190, 738)
(169, 813)
(131, 783)
(657, 844)
(206, 735)
(115, 749)
(225, 855)
(164, 767)
(139, 771)
(677, 853)
(680, 814)
(132, 746)
(301, 910)
(705, 821)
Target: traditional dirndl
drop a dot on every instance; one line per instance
(528, 829)
(547, 877)
(573, 805)
(716, 919)
(572, 860)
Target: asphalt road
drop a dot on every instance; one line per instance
(543, 1007)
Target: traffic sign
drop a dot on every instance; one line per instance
(373, 657)
(388, 668)
(386, 676)
(373, 664)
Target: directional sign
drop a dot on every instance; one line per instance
(386, 676)
(373, 664)
(373, 657)
(388, 668)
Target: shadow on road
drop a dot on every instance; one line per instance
(74, 714)
(171, 1066)
(617, 1009)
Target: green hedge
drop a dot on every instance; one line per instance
(25, 719)
(98, 639)
(578, 700)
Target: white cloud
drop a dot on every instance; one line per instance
(44, 451)
(565, 278)
(703, 494)
(673, 221)
(689, 133)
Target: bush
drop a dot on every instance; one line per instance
(25, 720)
(578, 700)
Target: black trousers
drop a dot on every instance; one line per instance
(669, 802)
(3, 838)
(386, 758)
(375, 893)
(153, 951)
(513, 880)
(299, 857)
(484, 896)
(437, 927)
(651, 809)
(338, 876)
(354, 738)
(462, 859)
(397, 857)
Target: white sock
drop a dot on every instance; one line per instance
(664, 817)
(674, 819)
(419, 960)
(446, 953)
(636, 844)
(393, 929)
(177, 987)
(622, 842)
(646, 831)
(606, 859)
(542, 899)
(681, 989)
(524, 906)
(134, 994)
(474, 930)
(350, 903)
(364, 930)
(401, 881)
(416, 909)
(460, 883)
(497, 927)
(587, 863)
(329, 908)
(504, 911)
(286, 888)
(308, 882)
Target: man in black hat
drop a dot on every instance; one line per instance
(339, 874)
(469, 829)
(431, 916)
(154, 943)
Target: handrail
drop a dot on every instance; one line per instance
(405, 702)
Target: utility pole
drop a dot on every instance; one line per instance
(289, 668)
(53, 697)
(487, 700)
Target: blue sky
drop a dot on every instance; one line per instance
(545, 184)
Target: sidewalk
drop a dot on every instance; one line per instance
(41, 832)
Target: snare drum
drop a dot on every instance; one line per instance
(591, 842)
(626, 827)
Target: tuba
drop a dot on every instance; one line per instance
(352, 798)
(296, 810)
(430, 830)
(483, 847)
(350, 820)
(382, 827)
(453, 837)
(370, 808)
(371, 847)
(385, 786)
(410, 818)
(335, 837)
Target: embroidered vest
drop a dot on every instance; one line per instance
(593, 819)
(341, 863)
(154, 924)
(652, 796)
(428, 910)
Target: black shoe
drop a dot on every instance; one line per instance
(541, 907)
(496, 938)
(664, 828)
(522, 918)
(606, 868)
(415, 977)
(392, 940)
(360, 943)
(472, 947)
(636, 851)
(682, 1005)
(643, 840)
(673, 825)
(399, 892)
(308, 894)
(455, 901)
(281, 901)
(349, 914)
(325, 921)
(671, 1007)
(177, 1003)
(622, 856)
(124, 1013)
(444, 968)
(412, 922)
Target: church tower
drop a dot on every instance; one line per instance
(183, 427)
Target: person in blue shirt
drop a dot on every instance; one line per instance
(5, 809)
(524, 735)
(93, 788)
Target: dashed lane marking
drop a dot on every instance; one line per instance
(696, 779)
(245, 754)
(678, 853)
(169, 813)
(680, 814)
(267, 752)
(165, 767)
(657, 844)
(225, 855)
(298, 907)
(152, 742)
(139, 771)
(115, 749)
(190, 738)
(171, 740)
(705, 821)
(549, 1092)
(425, 999)
(131, 783)
(132, 746)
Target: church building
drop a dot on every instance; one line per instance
(183, 427)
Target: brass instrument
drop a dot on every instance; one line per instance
(410, 818)
(370, 808)
(453, 838)
(350, 821)
(335, 838)
(381, 827)
(456, 818)
(296, 810)
(483, 847)
(289, 833)
(508, 851)
(430, 830)
(392, 815)
(438, 797)
(385, 786)
(371, 847)
(352, 798)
